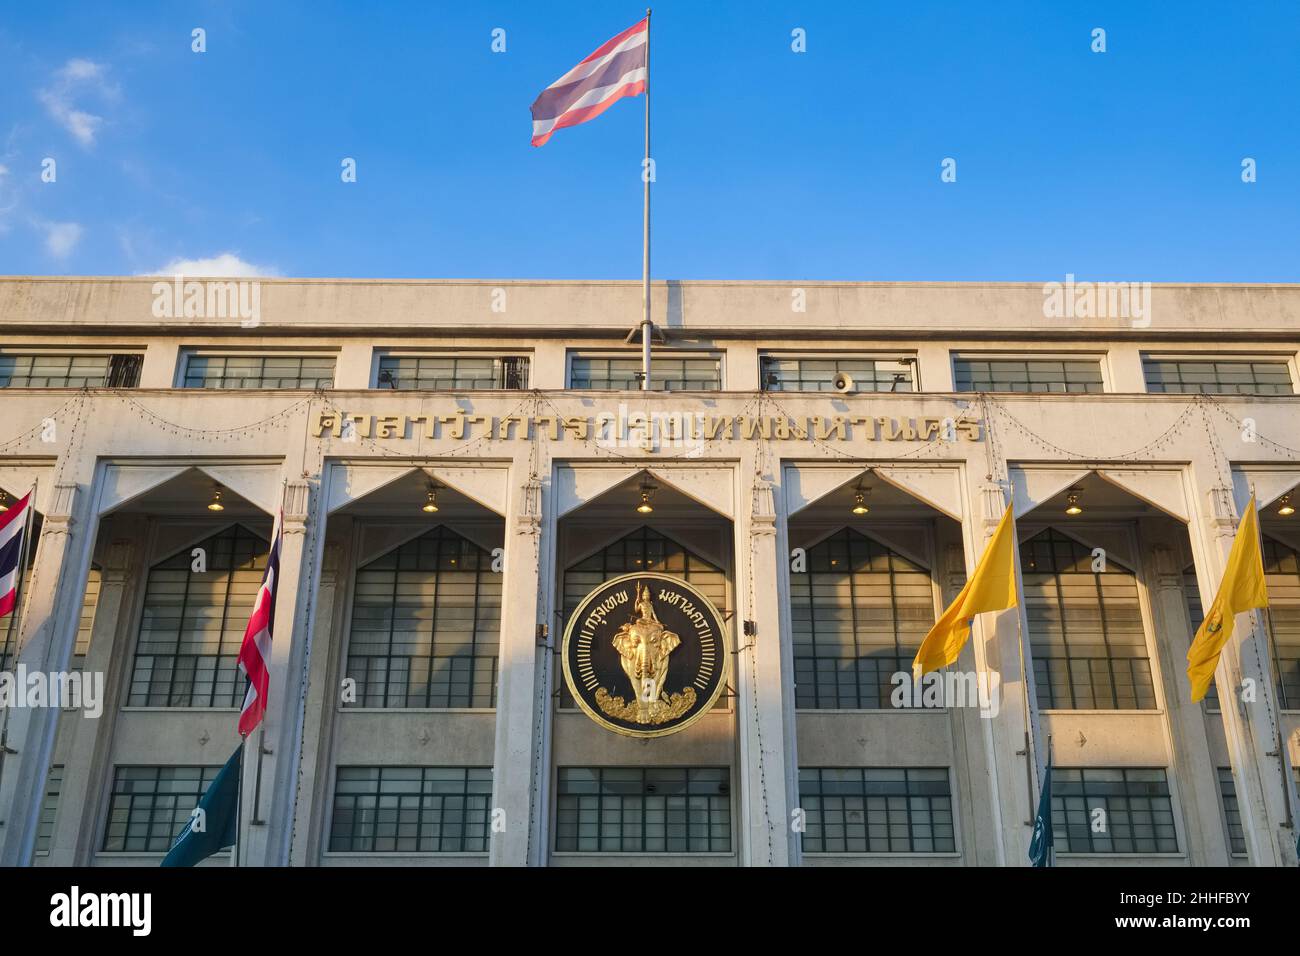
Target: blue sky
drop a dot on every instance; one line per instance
(1121, 165)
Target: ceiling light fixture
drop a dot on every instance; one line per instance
(1287, 509)
(860, 501)
(215, 504)
(430, 500)
(647, 492)
(1072, 504)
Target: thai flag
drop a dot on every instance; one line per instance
(12, 524)
(616, 69)
(255, 652)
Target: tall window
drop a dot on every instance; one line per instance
(1215, 376)
(412, 810)
(1231, 812)
(452, 372)
(972, 374)
(70, 371)
(1112, 810)
(258, 371)
(876, 810)
(859, 613)
(672, 373)
(1085, 627)
(643, 810)
(642, 550)
(194, 623)
(1192, 594)
(779, 373)
(49, 808)
(426, 625)
(1282, 576)
(149, 806)
(86, 624)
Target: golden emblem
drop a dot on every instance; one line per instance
(643, 647)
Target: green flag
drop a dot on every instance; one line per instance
(212, 827)
(1041, 845)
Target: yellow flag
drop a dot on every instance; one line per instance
(1241, 589)
(991, 588)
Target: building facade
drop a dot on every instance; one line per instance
(460, 463)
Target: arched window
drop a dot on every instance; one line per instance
(643, 550)
(1085, 628)
(426, 626)
(859, 612)
(194, 622)
(1282, 577)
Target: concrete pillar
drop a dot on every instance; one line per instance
(48, 632)
(312, 810)
(76, 836)
(1192, 765)
(520, 775)
(764, 683)
(1246, 689)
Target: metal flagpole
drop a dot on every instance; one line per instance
(15, 621)
(239, 800)
(645, 238)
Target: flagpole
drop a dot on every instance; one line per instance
(645, 237)
(239, 800)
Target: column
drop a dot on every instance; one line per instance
(48, 631)
(521, 769)
(764, 685)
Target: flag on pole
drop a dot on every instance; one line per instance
(1043, 842)
(212, 826)
(12, 525)
(616, 69)
(1241, 589)
(991, 588)
(255, 652)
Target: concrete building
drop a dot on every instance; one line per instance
(418, 711)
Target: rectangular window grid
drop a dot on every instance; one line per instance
(258, 371)
(1232, 812)
(54, 371)
(807, 374)
(412, 810)
(859, 613)
(667, 373)
(1282, 578)
(49, 807)
(1027, 375)
(193, 624)
(643, 810)
(426, 626)
(1086, 631)
(1136, 815)
(1218, 377)
(876, 810)
(149, 806)
(440, 372)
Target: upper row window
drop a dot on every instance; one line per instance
(70, 371)
(1217, 377)
(1027, 375)
(452, 371)
(258, 371)
(668, 373)
(836, 373)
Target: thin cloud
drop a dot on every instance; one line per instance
(61, 237)
(223, 265)
(74, 79)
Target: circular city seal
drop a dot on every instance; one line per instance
(644, 654)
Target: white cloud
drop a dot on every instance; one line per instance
(76, 77)
(61, 238)
(223, 265)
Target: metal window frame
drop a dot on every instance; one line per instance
(1100, 357)
(207, 773)
(661, 355)
(424, 813)
(1061, 821)
(717, 804)
(875, 356)
(1286, 359)
(443, 534)
(187, 355)
(909, 796)
(1044, 687)
(380, 355)
(108, 353)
